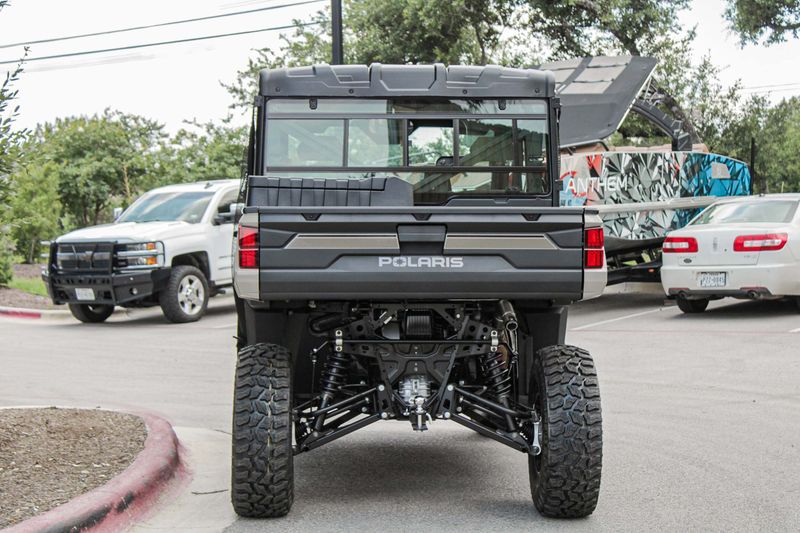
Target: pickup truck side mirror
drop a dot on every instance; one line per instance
(223, 218)
(228, 214)
(117, 212)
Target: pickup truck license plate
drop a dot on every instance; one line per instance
(711, 280)
(84, 294)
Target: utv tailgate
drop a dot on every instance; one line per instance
(319, 253)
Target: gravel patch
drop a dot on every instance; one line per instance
(16, 298)
(49, 456)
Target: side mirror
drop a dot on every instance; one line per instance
(223, 218)
(117, 212)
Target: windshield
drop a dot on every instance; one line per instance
(442, 147)
(775, 211)
(185, 206)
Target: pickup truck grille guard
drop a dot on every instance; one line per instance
(486, 408)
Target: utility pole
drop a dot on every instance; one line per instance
(336, 30)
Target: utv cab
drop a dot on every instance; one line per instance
(402, 257)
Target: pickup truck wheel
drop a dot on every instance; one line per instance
(692, 306)
(185, 298)
(262, 477)
(91, 314)
(565, 476)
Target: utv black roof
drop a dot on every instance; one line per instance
(378, 80)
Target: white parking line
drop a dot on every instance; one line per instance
(225, 326)
(602, 322)
(795, 330)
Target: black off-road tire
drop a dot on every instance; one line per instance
(565, 476)
(91, 314)
(262, 477)
(692, 306)
(169, 297)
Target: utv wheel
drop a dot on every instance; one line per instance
(91, 314)
(185, 298)
(262, 477)
(565, 476)
(692, 306)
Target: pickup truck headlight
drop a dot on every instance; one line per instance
(140, 255)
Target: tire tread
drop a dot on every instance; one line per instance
(568, 485)
(262, 484)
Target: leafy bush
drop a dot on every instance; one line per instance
(6, 259)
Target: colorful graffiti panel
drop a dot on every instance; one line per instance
(636, 177)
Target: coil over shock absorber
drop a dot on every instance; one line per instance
(334, 376)
(497, 373)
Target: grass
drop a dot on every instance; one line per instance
(29, 285)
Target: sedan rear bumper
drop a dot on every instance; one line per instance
(742, 281)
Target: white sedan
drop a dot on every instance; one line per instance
(742, 248)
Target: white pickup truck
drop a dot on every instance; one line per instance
(171, 247)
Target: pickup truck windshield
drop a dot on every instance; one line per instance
(185, 206)
(442, 147)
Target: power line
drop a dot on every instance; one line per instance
(161, 43)
(770, 86)
(158, 25)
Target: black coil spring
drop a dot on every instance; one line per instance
(335, 374)
(497, 373)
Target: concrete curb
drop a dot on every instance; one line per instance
(25, 312)
(126, 498)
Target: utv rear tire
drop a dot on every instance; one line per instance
(565, 476)
(262, 477)
(692, 306)
(185, 297)
(91, 314)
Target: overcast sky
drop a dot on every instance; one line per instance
(179, 82)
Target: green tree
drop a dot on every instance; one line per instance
(10, 139)
(769, 20)
(100, 159)
(778, 144)
(35, 207)
(205, 152)
(394, 31)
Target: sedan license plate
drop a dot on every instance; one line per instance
(84, 294)
(711, 280)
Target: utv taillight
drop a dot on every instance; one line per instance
(248, 247)
(679, 245)
(594, 254)
(760, 243)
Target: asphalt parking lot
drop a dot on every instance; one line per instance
(701, 424)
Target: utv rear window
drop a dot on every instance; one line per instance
(770, 211)
(442, 147)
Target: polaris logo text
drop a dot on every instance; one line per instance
(421, 262)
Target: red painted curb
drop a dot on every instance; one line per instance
(20, 313)
(126, 498)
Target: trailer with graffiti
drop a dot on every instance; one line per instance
(641, 193)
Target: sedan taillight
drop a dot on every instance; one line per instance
(760, 243)
(248, 247)
(679, 245)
